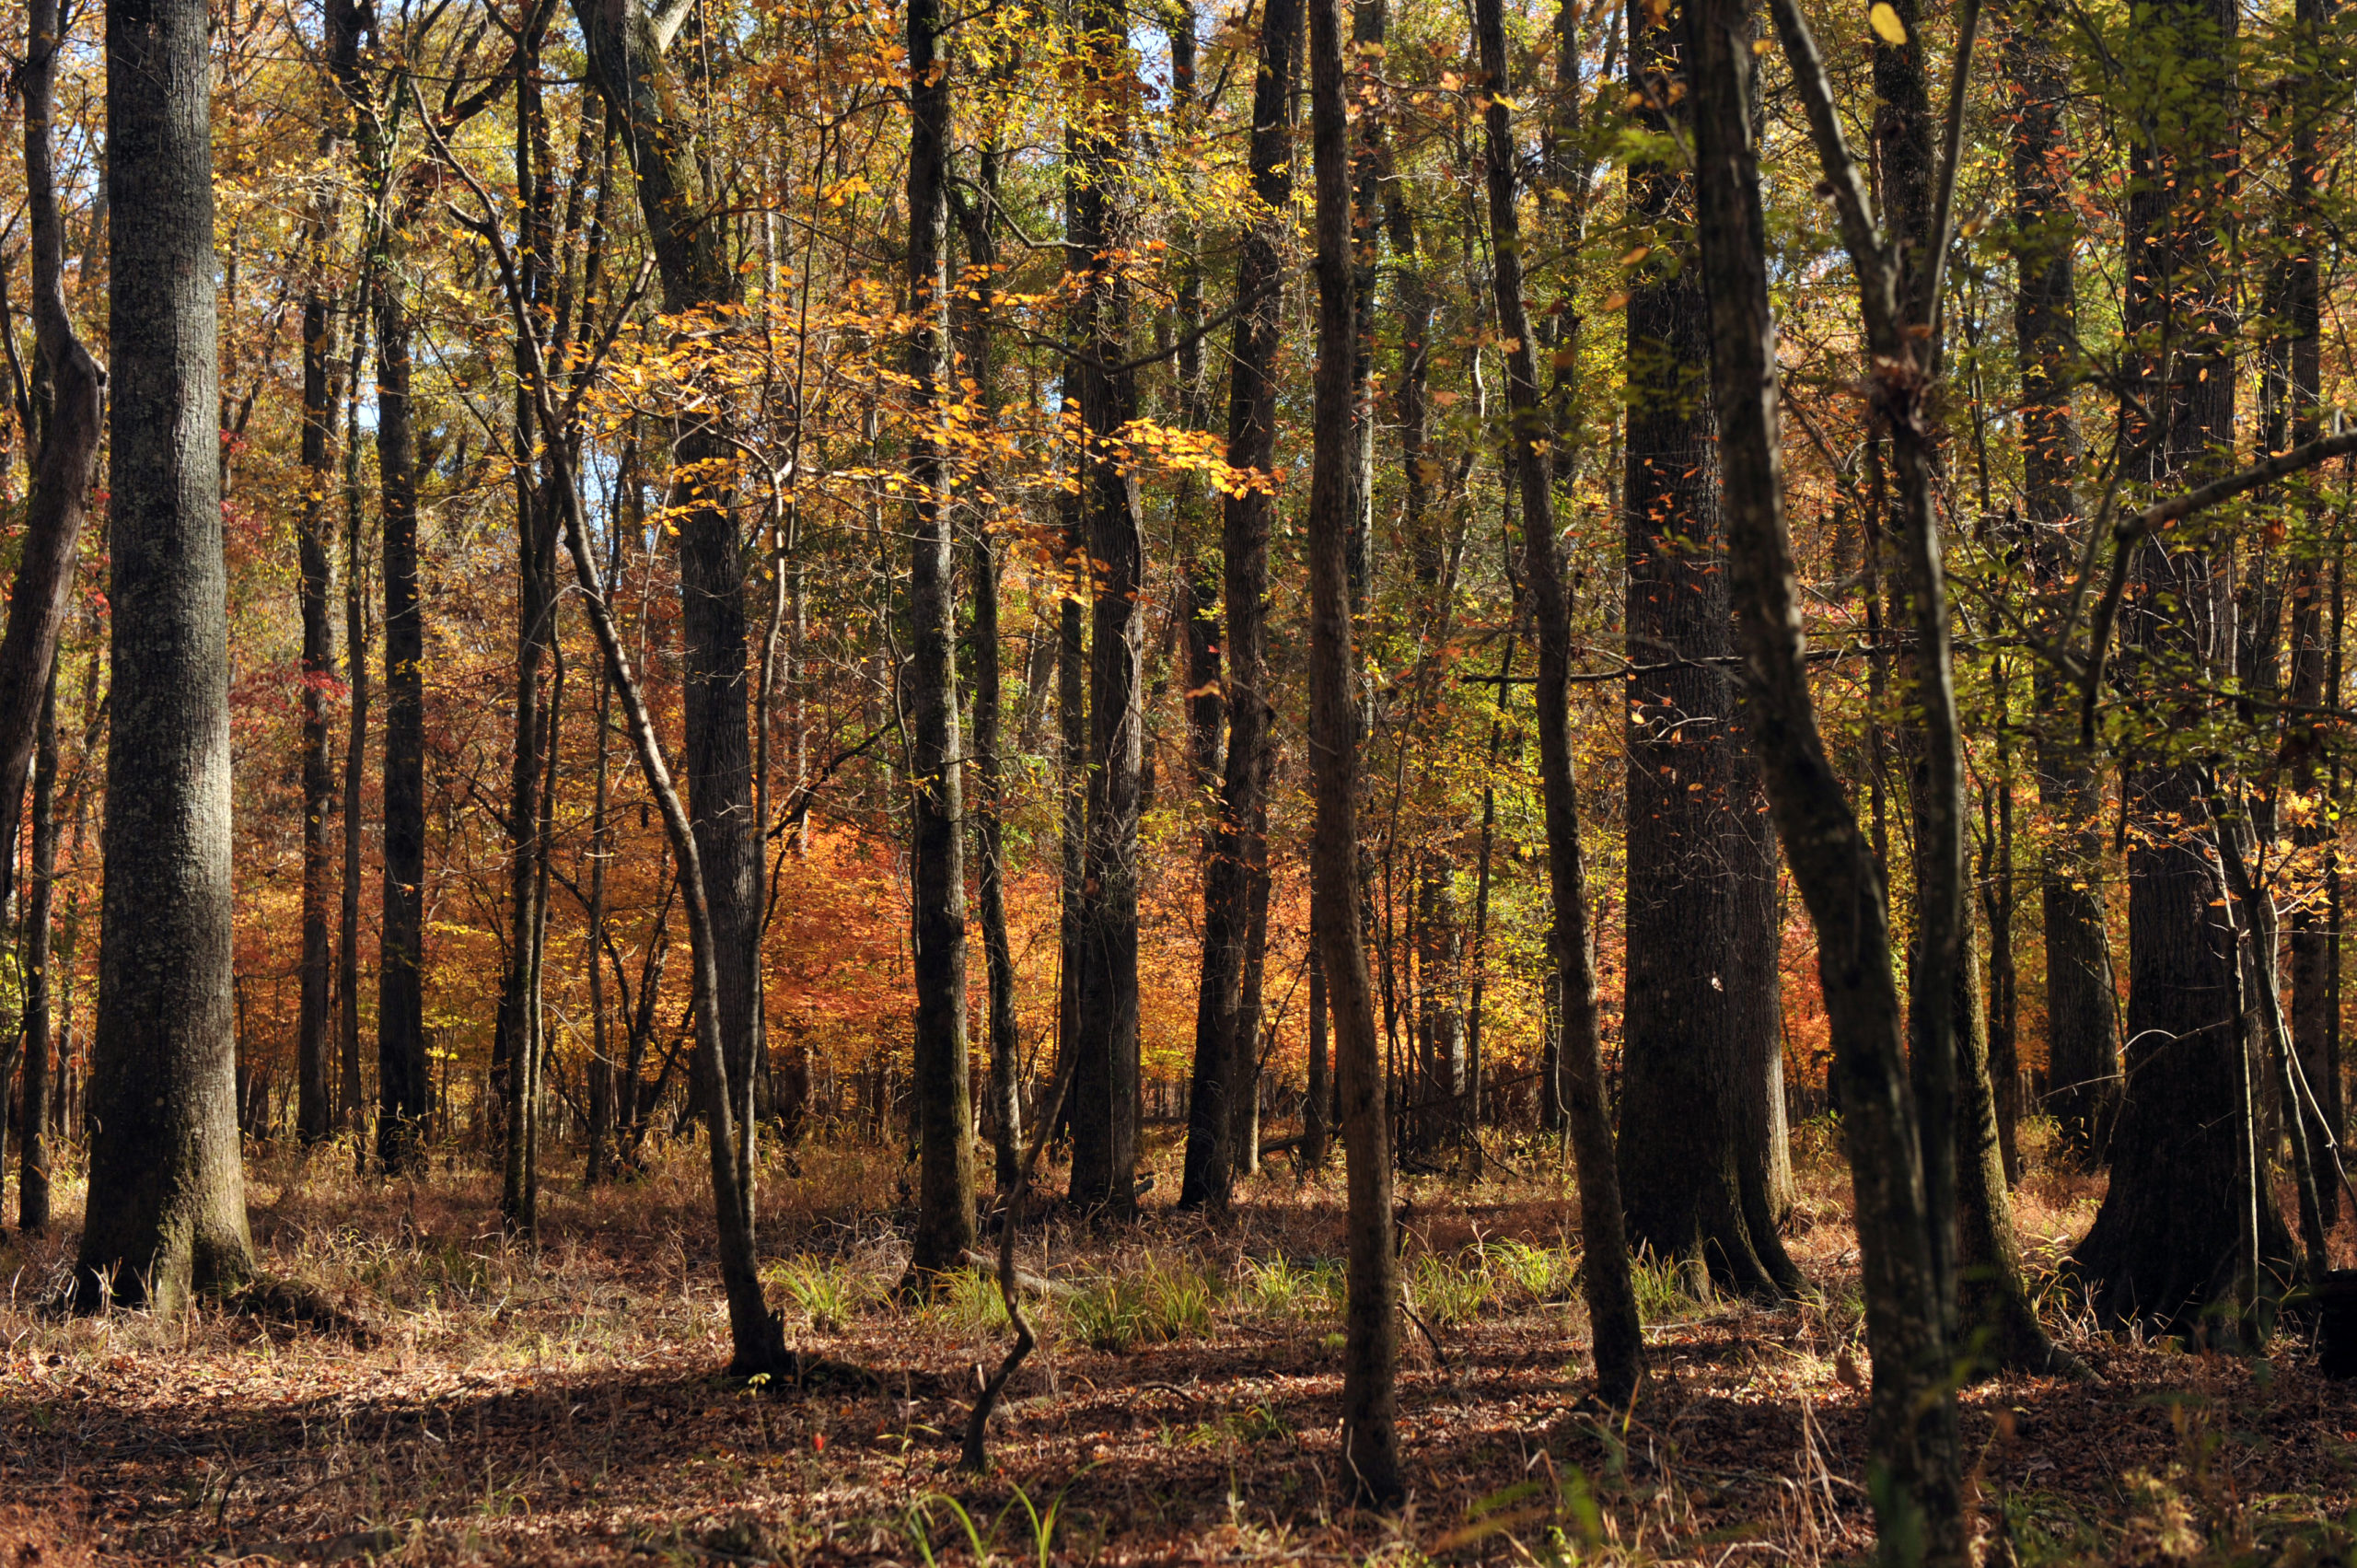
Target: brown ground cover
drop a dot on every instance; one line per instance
(419, 1389)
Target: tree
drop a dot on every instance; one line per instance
(1702, 1053)
(2187, 1223)
(937, 857)
(626, 45)
(1104, 1030)
(41, 987)
(2082, 1042)
(1912, 1431)
(1371, 1323)
(1224, 1048)
(166, 1216)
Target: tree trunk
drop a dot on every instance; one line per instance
(32, 1182)
(1005, 1089)
(944, 1228)
(1911, 1428)
(1370, 1351)
(401, 1083)
(1317, 1121)
(1105, 1080)
(2081, 1032)
(67, 449)
(1620, 1345)
(355, 748)
(1700, 1042)
(1237, 851)
(165, 1215)
(2184, 1223)
(625, 46)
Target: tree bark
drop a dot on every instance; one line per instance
(625, 45)
(66, 454)
(41, 986)
(944, 1228)
(1370, 1351)
(355, 750)
(165, 1215)
(1913, 1423)
(402, 1080)
(2185, 1224)
(1620, 1345)
(1105, 1080)
(2081, 1033)
(1701, 1052)
(1238, 850)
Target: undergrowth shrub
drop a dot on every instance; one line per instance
(1447, 1291)
(1160, 1301)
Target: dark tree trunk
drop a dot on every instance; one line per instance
(944, 1226)
(2081, 1032)
(65, 453)
(625, 46)
(1832, 862)
(322, 388)
(1006, 1090)
(1620, 1345)
(1317, 1106)
(601, 1084)
(401, 1081)
(1104, 1080)
(1239, 849)
(315, 1102)
(165, 1215)
(2185, 1223)
(2315, 1015)
(1701, 1050)
(1371, 1352)
(516, 1055)
(41, 986)
(355, 748)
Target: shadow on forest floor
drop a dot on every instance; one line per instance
(564, 1408)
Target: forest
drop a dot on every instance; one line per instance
(1131, 781)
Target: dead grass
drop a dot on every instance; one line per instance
(562, 1407)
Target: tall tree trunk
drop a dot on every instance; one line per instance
(1105, 1080)
(1005, 1089)
(66, 451)
(402, 1080)
(601, 1084)
(1912, 1431)
(322, 388)
(2316, 1027)
(944, 1226)
(356, 747)
(625, 45)
(1238, 849)
(1620, 1345)
(2081, 1032)
(165, 1215)
(41, 986)
(1702, 1054)
(2174, 1234)
(1371, 1350)
(517, 1051)
(1317, 1105)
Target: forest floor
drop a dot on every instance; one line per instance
(503, 1407)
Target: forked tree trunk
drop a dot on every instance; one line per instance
(1619, 1338)
(1371, 1350)
(1832, 862)
(67, 452)
(165, 1215)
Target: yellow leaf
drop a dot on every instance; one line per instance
(1760, 46)
(1885, 23)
